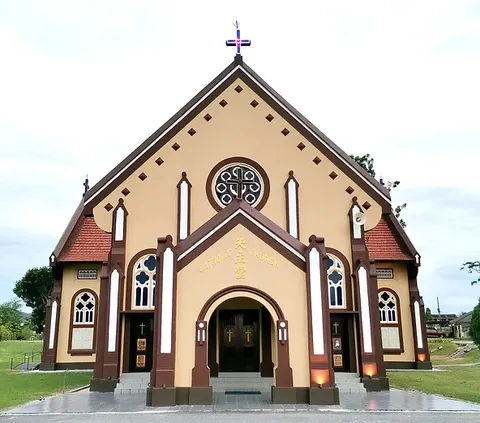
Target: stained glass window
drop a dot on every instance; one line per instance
(336, 282)
(144, 273)
(387, 305)
(84, 308)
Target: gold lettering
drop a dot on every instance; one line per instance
(240, 243)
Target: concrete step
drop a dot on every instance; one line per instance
(133, 383)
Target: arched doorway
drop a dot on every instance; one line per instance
(241, 335)
(207, 352)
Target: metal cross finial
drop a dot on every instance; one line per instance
(85, 184)
(238, 42)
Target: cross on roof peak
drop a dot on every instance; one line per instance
(238, 42)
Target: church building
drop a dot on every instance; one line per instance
(237, 248)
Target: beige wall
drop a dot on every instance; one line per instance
(70, 286)
(286, 284)
(237, 130)
(399, 284)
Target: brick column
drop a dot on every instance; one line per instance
(52, 321)
(112, 278)
(417, 310)
(322, 383)
(372, 368)
(161, 391)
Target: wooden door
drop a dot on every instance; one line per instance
(239, 348)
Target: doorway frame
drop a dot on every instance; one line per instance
(127, 322)
(350, 316)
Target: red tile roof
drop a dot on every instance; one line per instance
(87, 242)
(90, 243)
(383, 245)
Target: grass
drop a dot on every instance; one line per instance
(17, 387)
(441, 356)
(457, 382)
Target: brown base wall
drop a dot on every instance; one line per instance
(376, 384)
(103, 385)
(324, 396)
(164, 397)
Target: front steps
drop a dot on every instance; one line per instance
(349, 382)
(244, 381)
(137, 383)
(133, 383)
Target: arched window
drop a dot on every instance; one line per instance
(336, 282)
(144, 273)
(84, 309)
(390, 322)
(83, 322)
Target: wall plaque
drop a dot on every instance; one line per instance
(141, 344)
(337, 360)
(141, 360)
(337, 344)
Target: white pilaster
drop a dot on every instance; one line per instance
(53, 325)
(113, 311)
(357, 229)
(292, 208)
(365, 310)
(316, 302)
(119, 224)
(183, 233)
(167, 302)
(418, 325)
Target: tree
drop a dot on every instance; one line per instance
(366, 161)
(428, 315)
(10, 319)
(35, 288)
(475, 325)
(472, 266)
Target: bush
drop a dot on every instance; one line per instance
(5, 333)
(475, 325)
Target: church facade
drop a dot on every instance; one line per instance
(236, 239)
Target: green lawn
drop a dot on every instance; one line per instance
(441, 356)
(456, 382)
(18, 387)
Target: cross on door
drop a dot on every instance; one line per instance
(335, 327)
(229, 333)
(142, 327)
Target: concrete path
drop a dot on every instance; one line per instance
(273, 417)
(108, 404)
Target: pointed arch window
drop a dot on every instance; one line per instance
(84, 309)
(144, 274)
(336, 282)
(390, 321)
(83, 322)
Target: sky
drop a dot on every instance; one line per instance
(82, 83)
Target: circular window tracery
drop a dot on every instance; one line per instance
(237, 177)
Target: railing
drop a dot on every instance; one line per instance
(28, 358)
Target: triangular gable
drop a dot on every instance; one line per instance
(235, 70)
(239, 212)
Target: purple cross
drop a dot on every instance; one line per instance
(238, 42)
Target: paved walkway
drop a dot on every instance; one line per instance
(85, 402)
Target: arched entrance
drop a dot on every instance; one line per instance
(247, 333)
(240, 338)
